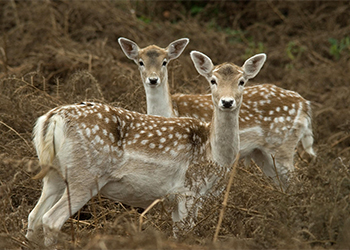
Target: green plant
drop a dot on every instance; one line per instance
(145, 19)
(195, 10)
(337, 47)
(254, 48)
(294, 50)
(234, 36)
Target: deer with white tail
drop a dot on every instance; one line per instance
(272, 120)
(135, 158)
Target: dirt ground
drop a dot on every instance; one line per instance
(62, 52)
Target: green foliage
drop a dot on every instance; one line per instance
(145, 19)
(338, 47)
(195, 10)
(294, 50)
(234, 36)
(238, 36)
(254, 48)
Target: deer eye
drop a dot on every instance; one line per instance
(241, 83)
(213, 82)
(141, 63)
(164, 63)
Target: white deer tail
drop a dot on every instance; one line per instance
(308, 139)
(48, 136)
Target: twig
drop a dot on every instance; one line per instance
(283, 18)
(248, 211)
(205, 218)
(344, 150)
(90, 63)
(78, 218)
(100, 200)
(93, 204)
(339, 141)
(4, 225)
(266, 184)
(147, 209)
(99, 89)
(301, 158)
(12, 129)
(277, 175)
(44, 83)
(69, 206)
(335, 136)
(82, 222)
(224, 203)
(3, 51)
(18, 22)
(32, 80)
(35, 88)
(121, 204)
(321, 58)
(257, 167)
(20, 242)
(58, 87)
(52, 16)
(307, 232)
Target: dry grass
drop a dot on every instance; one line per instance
(59, 52)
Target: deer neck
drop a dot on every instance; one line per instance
(159, 100)
(224, 136)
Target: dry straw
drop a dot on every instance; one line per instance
(227, 193)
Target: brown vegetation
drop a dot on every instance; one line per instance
(62, 52)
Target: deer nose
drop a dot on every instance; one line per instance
(153, 80)
(227, 103)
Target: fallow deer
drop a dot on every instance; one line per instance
(272, 120)
(135, 158)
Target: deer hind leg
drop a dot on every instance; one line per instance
(79, 194)
(53, 187)
(274, 165)
(307, 138)
(264, 161)
(284, 164)
(184, 213)
(284, 156)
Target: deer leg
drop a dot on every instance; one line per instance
(264, 160)
(183, 214)
(79, 194)
(53, 187)
(276, 164)
(284, 166)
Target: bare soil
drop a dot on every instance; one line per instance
(62, 52)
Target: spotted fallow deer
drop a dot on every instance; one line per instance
(272, 120)
(135, 158)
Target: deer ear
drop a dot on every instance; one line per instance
(252, 66)
(130, 48)
(202, 63)
(176, 48)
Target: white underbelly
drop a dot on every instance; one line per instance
(138, 183)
